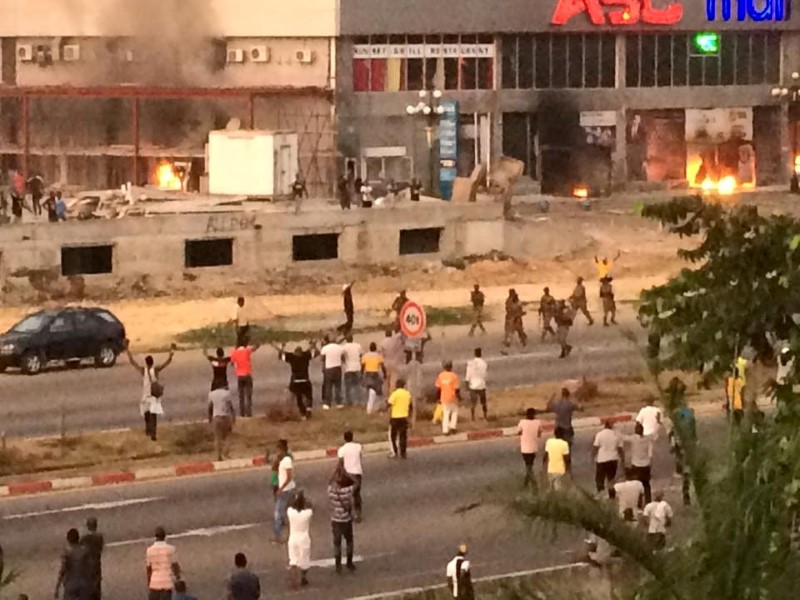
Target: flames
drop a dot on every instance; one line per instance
(580, 192)
(797, 165)
(167, 178)
(725, 185)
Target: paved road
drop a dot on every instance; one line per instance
(97, 399)
(411, 525)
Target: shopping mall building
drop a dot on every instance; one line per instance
(662, 92)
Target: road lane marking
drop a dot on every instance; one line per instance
(83, 507)
(202, 532)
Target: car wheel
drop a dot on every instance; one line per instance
(32, 363)
(106, 357)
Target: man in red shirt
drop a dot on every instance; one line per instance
(241, 358)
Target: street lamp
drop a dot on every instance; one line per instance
(791, 95)
(429, 107)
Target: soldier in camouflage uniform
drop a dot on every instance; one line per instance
(513, 324)
(578, 300)
(547, 310)
(564, 318)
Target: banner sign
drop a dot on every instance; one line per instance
(448, 147)
(365, 51)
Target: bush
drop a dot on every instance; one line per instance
(194, 439)
(587, 390)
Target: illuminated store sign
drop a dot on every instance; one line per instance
(618, 12)
(746, 10)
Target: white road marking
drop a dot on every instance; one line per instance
(83, 507)
(327, 563)
(203, 532)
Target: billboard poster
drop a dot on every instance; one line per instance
(448, 147)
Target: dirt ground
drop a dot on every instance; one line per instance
(155, 311)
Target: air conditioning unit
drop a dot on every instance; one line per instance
(259, 54)
(235, 55)
(305, 57)
(44, 56)
(71, 53)
(25, 53)
(128, 56)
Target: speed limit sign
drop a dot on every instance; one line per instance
(412, 320)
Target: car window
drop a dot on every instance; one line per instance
(106, 316)
(62, 324)
(30, 324)
(83, 320)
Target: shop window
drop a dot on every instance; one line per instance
(509, 50)
(208, 253)
(665, 60)
(420, 241)
(87, 260)
(324, 246)
(519, 140)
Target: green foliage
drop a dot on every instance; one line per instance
(741, 289)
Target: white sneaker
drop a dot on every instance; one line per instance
(325, 407)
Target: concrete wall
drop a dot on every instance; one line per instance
(229, 18)
(262, 241)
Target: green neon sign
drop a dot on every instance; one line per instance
(706, 42)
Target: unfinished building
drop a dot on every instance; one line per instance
(100, 93)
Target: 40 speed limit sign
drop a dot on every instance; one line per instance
(412, 320)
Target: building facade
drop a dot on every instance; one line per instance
(98, 93)
(590, 91)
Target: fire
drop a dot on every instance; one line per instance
(167, 178)
(580, 192)
(726, 186)
(797, 165)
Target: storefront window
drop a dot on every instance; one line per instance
(665, 60)
(545, 61)
(400, 63)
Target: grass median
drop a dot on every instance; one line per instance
(97, 452)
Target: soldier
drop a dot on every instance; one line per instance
(514, 314)
(607, 297)
(478, 300)
(564, 317)
(578, 300)
(397, 306)
(547, 309)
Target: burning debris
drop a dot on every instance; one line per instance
(170, 177)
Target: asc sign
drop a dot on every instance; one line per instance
(618, 12)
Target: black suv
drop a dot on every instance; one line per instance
(68, 335)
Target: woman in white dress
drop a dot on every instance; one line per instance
(299, 544)
(150, 406)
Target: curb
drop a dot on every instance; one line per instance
(240, 464)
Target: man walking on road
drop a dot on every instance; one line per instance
(557, 463)
(609, 304)
(629, 494)
(400, 408)
(578, 300)
(547, 310)
(350, 454)
(608, 453)
(563, 408)
(449, 395)
(513, 323)
(222, 417)
(658, 516)
(373, 373)
(340, 498)
(478, 299)
(564, 318)
(391, 347)
(243, 583)
(477, 373)
(162, 567)
(529, 430)
(74, 573)
(241, 358)
(459, 577)
(285, 491)
(352, 371)
(641, 458)
(332, 359)
(650, 418)
(94, 543)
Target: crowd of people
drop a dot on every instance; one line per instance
(29, 195)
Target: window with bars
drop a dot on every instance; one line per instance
(668, 60)
(414, 62)
(555, 60)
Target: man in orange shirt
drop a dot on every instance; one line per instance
(449, 394)
(241, 359)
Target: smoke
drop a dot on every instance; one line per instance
(171, 42)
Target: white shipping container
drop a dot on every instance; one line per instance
(251, 163)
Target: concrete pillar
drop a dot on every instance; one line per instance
(787, 152)
(620, 156)
(63, 170)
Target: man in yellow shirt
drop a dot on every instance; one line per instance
(400, 408)
(605, 265)
(557, 463)
(449, 394)
(734, 396)
(373, 373)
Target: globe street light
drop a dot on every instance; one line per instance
(429, 107)
(791, 95)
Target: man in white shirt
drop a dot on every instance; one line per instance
(650, 417)
(477, 372)
(350, 458)
(352, 371)
(628, 494)
(332, 358)
(607, 451)
(285, 492)
(240, 318)
(641, 457)
(658, 515)
(459, 577)
(391, 347)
